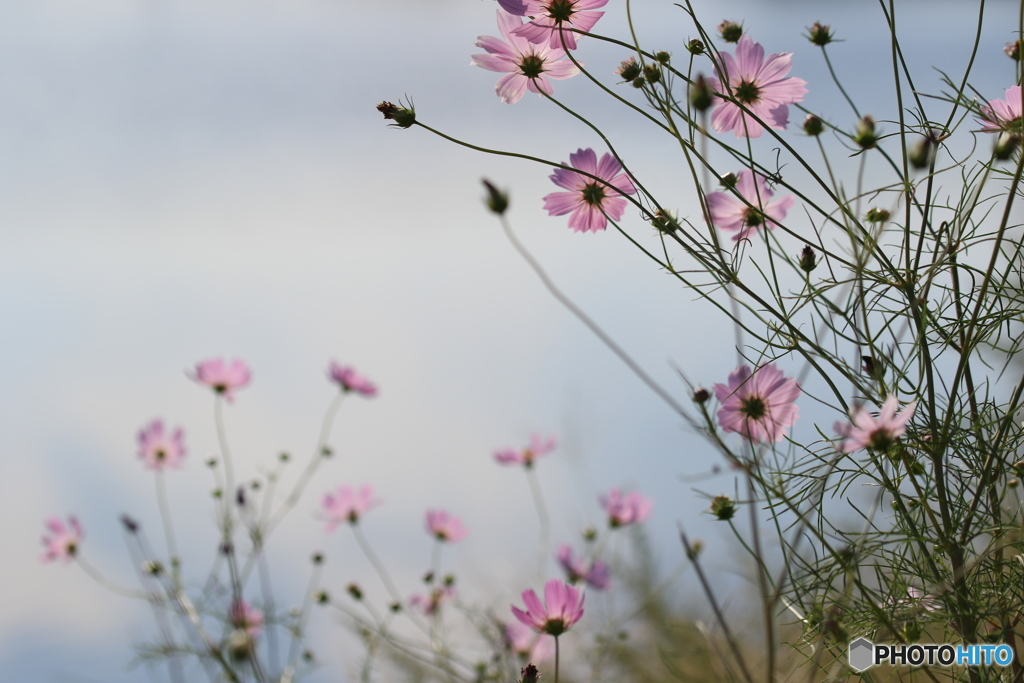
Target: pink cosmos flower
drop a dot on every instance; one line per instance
(875, 433)
(348, 505)
(351, 381)
(528, 66)
(1002, 115)
(539, 447)
(564, 607)
(243, 616)
(430, 604)
(588, 200)
(597, 575)
(445, 527)
(759, 405)
(160, 449)
(62, 541)
(554, 20)
(760, 84)
(624, 510)
(524, 643)
(728, 212)
(222, 377)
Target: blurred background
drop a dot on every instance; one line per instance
(185, 180)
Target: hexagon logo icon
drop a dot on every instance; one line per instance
(861, 654)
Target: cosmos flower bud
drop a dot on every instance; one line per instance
(629, 69)
(808, 259)
(652, 72)
(663, 57)
(530, 674)
(664, 222)
(873, 368)
(639, 82)
(355, 591)
(701, 94)
(693, 551)
(589, 534)
(1018, 468)
(1005, 147)
(496, 200)
(813, 125)
(728, 181)
(723, 508)
(730, 31)
(819, 34)
(317, 558)
(866, 137)
(695, 47)
(877, 215)
(403, 117)
(922, 153)
(701, 395)
(240, 496)
(129, 524)
(284, 457)
(1012, 50)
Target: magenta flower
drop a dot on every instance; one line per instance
(351, 381)
(554, 20)
(564, 608)
(348, 505)
(539, 447)
(445, 527)
(875, 433)
(527, 66)
(729, 212)
(760, 84)
(524, 643)
(596, 575)
(160, 449)
(624, 510)
(62, 541)
(243, 616)
(588, 200)
(430, 604)
(222, 377)
(760, 405)
(1002, 115)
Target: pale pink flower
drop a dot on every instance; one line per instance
(915, 597)
(527, 66)
(760, 84)
(539, 447)
(564, 607)
(430, 604)
(221, 376)
(588, 200)
(445, 527)
(348, 505)
(596, 574)
(1002, 115)
(245, 617)
(351, 381)
(866, 431)
(758, 405)
(63, 541)
(160, 448)
(729, 212)
(554, 20)
(623, 510)
(525, 644)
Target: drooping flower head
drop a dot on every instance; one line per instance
(623, 510)
(866, 431)
(348, 505)
(245, 617)
(564, 607)
(539, 447)
(758, 405)
(430, 604)
(527, 66)
(160, 448)
(587, 199)
(729, 212)
(62, 541)
(525, 644)
(760, 84)
(595, 575)
(1002, 115)
(221, 376)
(445, 527)
(554, 20)
(351, 381)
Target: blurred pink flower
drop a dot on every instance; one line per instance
(624, 510)
(62, 541)
(553, 20)
(160, 449)
(597, 575)
(539, 447)
(760, 84)
(729, 212)
(243, 616)
(445, 527)
(1004, 114)
(521, 641)
(760, 405)
(528, 66)
(348, 505)
(351, 381)
(875, 433)
(222, 377)
(430, 604)
(588, 200)
(564, 607)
